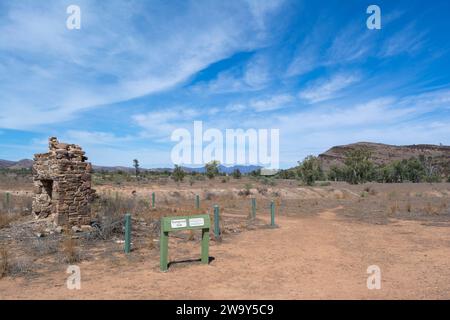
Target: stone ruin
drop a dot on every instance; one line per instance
(62, 184)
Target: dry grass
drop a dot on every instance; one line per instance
(4, 263)
(393, 208)
(70, 250)
(408, 207)
(430, 209)
(7, 218)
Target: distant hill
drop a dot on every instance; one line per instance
(381, 154)
(21, 164)
(224, 169)
(385, 153)
(27, 163)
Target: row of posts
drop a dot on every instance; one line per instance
(217, 233)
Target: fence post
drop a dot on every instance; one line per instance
(197, 202)
(153, 200)
(163, 250)
(272, 214)
(216, 222)
(8, 196)
(253, 208)
(205, 246)
(127, 245)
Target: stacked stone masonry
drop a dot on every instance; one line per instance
(62, 184)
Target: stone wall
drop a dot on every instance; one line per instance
(62, 184)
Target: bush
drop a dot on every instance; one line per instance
(212, 169)
(178, 174)
(310, 170)
(237, 174)
(358, 166)
(70, 251)
(336, 174)
(286, 174)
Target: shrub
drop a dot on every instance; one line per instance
(178, 174)
(310, 170)
(286, 174)
(237, 174)
(212, 169)
(70, 250)
(358, 166)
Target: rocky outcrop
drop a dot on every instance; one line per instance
(384, 153)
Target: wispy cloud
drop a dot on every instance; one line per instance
(408, 40)
(78, 69)
(159, 124)
(328, 88)
(271, 103)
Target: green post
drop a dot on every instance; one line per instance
(153, 200)
(216, 222)
(8, 196)
(253, 207)
(127, 245)
(272, 214)
(164, 250)
(205, 246)
(197, 202)
(117, 196)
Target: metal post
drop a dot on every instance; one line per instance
(272, 214)
(164, 249)
(127, 246)
(153, 200)
(253, 207)
(205, 246)
(216, 222)
(197, 202)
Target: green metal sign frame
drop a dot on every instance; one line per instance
(194, 222)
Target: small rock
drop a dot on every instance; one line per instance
(86, 228)
(76, 229)
(59, 229)
(40, 235)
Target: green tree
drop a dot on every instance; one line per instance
(178, 174)
(237, 173)
(414, 170)
(309, 170)
(286, 174)
(335, 173)
(212, 169)
(136, 167)
(358, 166)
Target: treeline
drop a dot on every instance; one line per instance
(359, 168)
(178, 174)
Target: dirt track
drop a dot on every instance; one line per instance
(318, 257)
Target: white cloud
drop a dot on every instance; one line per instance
(160, 124)
(272, 103)
(254, 75)
(123, 50)
(325, 89)
(408, 40)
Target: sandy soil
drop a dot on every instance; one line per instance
(323, 256)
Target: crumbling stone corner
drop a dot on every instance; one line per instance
(62, 184)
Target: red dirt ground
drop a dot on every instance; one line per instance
(316, 257)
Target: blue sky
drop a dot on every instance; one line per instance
(137, 70)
